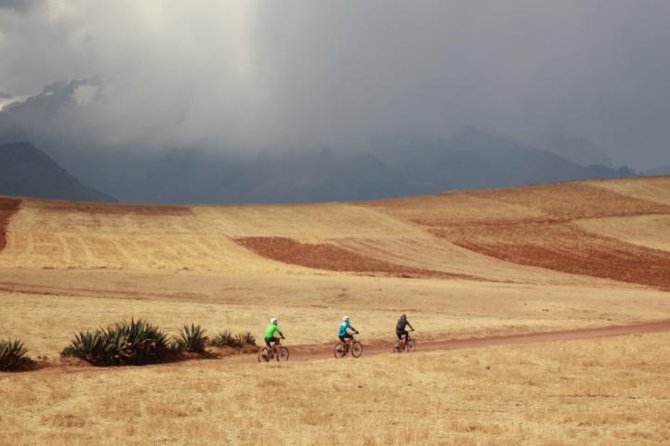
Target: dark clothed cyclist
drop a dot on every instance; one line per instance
(269, 334)
(401, 327)
(342, 332)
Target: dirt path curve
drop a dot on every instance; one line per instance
(308, 352)
(376, 346)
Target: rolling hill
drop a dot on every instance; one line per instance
(612, 230)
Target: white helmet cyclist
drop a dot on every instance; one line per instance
(345, 318)
(273, 320)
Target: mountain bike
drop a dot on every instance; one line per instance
(278, 352)
(351, 345)
(406, 344)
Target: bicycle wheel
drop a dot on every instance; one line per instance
(340, 350)
(282, 354)
(396, 347)
(264, 355)
(356, 349)
(409, 346)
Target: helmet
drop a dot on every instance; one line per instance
(345, 318)
(273, 320)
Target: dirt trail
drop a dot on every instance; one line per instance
(310, 352)
(375, 347)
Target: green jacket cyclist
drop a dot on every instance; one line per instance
(269, 335)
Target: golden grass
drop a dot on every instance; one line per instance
(60, 303)
(651, 231)
(606, 391)
(401, 232)
(651, 188)
(70, 267)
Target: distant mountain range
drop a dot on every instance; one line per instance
(27, 171)
(580, 151)
(663, 170)
(471, 159)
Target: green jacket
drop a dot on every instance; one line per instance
(270, 331)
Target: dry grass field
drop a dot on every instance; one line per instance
(600, 392)
(464, 264)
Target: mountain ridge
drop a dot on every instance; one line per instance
(27, 171)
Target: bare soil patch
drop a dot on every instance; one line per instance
(565, 247)
(330, 257)
(95, 208)
(8, 206)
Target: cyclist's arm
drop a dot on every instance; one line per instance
(410, 325)
(280, 333)
(355, 331)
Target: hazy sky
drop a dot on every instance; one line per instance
(303, 73)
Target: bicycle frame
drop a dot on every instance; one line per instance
(348, 343)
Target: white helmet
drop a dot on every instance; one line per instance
(345, 318)
(273, 320)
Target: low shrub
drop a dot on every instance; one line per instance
(227, 339)
(246, 338)
(136, 342)
(192, 339)
(13, 354)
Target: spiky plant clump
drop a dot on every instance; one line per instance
(192, 339)
(246, 338)
(136, 342)
(89, 346)
(13, 354)
(225, 339)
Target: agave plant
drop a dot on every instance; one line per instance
(88, 346)
(137, 342)
(192, 339)
(13, 354)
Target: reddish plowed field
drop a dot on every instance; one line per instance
(330, 257)
(94, 208)
(7, 208)
(565, 247)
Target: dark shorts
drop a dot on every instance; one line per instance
(269, 341)
(345, 337)
(400, 334)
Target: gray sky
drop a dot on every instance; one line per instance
(252, 74)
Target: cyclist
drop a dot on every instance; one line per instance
(342, 332)
(269, 335)
(401, 327)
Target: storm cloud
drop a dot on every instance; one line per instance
(252, 75)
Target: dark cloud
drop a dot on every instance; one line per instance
(18, 5)
(340, 73)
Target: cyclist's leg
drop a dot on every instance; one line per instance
(268, 342)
